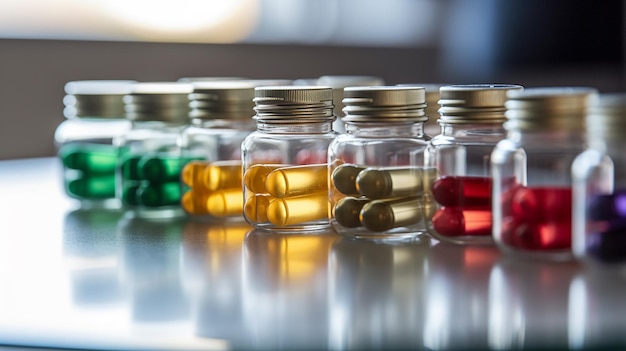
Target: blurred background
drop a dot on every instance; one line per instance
(44, 44)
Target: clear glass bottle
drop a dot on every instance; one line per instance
(376, 168)
(95, 117)
(220, 120)
(458, 206)
(532, 194)
(285, 160)
(149, 159)
(599, 192)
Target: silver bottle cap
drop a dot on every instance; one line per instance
(384, 104)
(606, 118)
(96, 98)
(293, 104)
(474, 103)
(338, 83)
(159, 101)
(226, 99)
(549, 108)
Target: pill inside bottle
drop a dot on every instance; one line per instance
(380, 183)
(382, 215)
(255, 176)
(297, 180)
(299, 209)
(344, 178)
(347, 211)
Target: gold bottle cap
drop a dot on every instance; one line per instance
(293, 103)
(606, 118)
(158, 101)
(226, 99)
(96, 98)
(474, 103)
(384, 104)
(550, 108)
(339, 82)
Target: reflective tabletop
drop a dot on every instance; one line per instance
(73, 277)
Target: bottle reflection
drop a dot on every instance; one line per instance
(90, 248)
(528, 303)
(285, 289)
(597, 313)
(212, 264)
(377, 294)
(457, 296)
(151, 261)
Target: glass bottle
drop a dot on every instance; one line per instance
(532, 194)
(220, 120)
(599, 192)
(285, 160)
(376, 168)
(95, 117)
(458, 206)
(149, 159)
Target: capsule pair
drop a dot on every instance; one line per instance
(286, 195)
(215, 188)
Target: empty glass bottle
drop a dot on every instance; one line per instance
(376, 168)
(285, 160)
(95, 117)
(532, 194)
(599, 193)
(458, 206)
(149, 160)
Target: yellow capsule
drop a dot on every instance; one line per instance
(347, 211)
(384, 183)
(223, 175)
(299, 209)
(382, 215)
(255, 208)
(193, 172)
(225, 203)
(297, 180)
(194, 203)
(255, 176)
(344, 178)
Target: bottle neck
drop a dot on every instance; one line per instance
(321, 127)
(472, 129)
(238, 124)
(375, 130)
(557, 138)
(158, 125)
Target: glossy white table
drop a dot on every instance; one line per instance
(79, 278)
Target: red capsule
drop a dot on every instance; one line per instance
(463, 191)
(452, 221)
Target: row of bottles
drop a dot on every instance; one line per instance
(501, 169)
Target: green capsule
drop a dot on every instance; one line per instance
(89, 158)
(92, 188)
(130, 168)
(157, 195)
(161, 169)
(130, 195)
